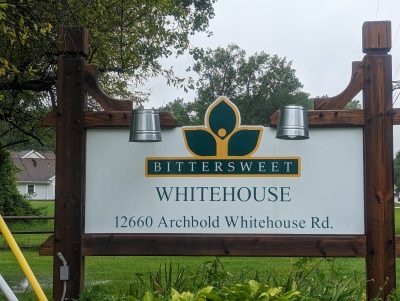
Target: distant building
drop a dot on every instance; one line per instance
(37, 175)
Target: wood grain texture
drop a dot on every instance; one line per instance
(229, 245)
(219, 245)
(328, 118)
(46, 248)
(339, 101)
(378, 166)
(73, 40)
(321, 118)
(93, 88)
(70, 173)
(119, 119)
(376, 37)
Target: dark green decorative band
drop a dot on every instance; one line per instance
(267, 167)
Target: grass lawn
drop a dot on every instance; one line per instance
(397, 219)
(46, 207)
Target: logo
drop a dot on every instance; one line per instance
(222, 136)
(222, 147)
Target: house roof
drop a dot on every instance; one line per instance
(33, 154)
(36, 168)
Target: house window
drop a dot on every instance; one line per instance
(31, 188)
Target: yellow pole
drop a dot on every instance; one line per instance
(21, 260)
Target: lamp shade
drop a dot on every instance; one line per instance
(145, 126)
(293, 123)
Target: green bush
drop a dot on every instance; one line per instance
(11, 201)
(309, 279)
(250, 291)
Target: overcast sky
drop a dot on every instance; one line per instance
(320, 37)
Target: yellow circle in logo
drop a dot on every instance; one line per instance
(221, 132)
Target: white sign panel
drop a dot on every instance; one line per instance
(311, 186)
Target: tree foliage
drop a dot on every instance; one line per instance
(11, 201)
(353, 105)
(127, 39)
(182, 111)
(396, 163)
(258, 84)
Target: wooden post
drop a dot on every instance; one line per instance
(378, 160)
(70, 167)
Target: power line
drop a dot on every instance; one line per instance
(396, 86)
(397, 97)
(397, 70)
(377, 9)
(393, 45)
(397, 35)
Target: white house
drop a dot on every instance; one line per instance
(36, 177)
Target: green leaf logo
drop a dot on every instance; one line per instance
(222, 136)
(222, 119)
(201, 142)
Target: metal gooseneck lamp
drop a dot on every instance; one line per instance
(292, 123)
(145, 126)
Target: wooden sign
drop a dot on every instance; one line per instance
(214, 177)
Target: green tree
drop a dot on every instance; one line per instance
(127, 39)
(182, 111)
(353, 105)
(396, 163)
(11, 201)
(258, 84)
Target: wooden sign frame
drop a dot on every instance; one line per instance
(372, 75)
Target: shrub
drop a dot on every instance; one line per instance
(11, 201)
(309, 279)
